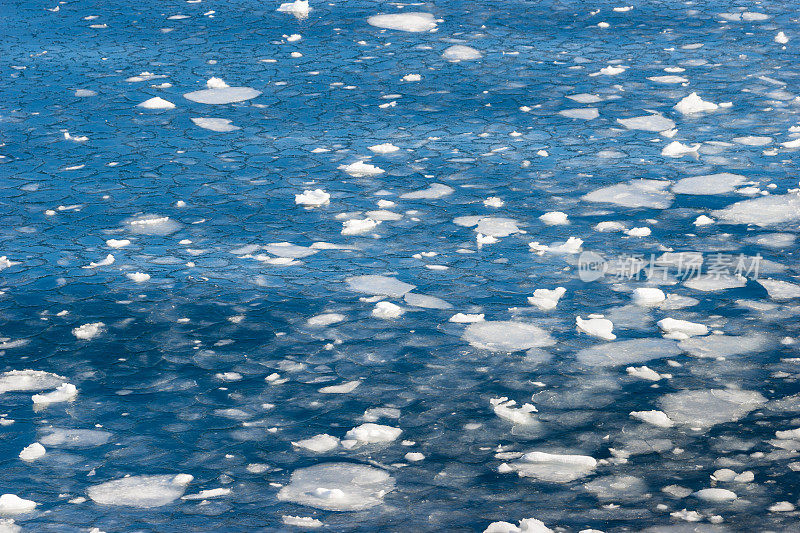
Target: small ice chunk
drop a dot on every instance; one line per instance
(412, 77)
(370, 433)
(32, 452)
(655, 123)
(703, 220)
(207, 494)
(89, 331)
(588, 113)
(596, 327)
(379, 285)
(506, 336)
(325, 319)
(108, 260)
(638, 232)
(460, 52)
(414, 457)
(299, 8)
(408, 21)
(338, 487)
(140, 491)
(781, 507)
(494, 201)
(156, 103)
(138, 277)
(432, 192)
(546, 299)
(29, 380)
(387, 310)
(715, 495)
(304, 522)
(117, 243)
(358, 226)
(636, 193)
(656, 418)
(66, 392)
(318, 443)
(11, 504)
(781, 38)
(694, 104)
(678, 149)
(643, 372)
(314, 198)
(570, 246)
(222, 95)
(220, 125)
(385, 148)
(715, 282)
(780, 290)
(464, 318)
(505, 409)
(554, 218)
(681, 329)
(527, 525)
(343, 388)
(668, 79)
(360, 169)
(152, 225)
(628, 351)
(554, 468)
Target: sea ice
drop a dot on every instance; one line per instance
(546, 299)
(596, 327)
(636, 193)
(89, 331)
(156, 103)
(359, 169)
(223, 95)
(140, 491)
(722, 183)
(553, 468)
(318, 443)
(526, 525)
(338, 487)
(460, 52)
(29, 380)
(506, 336)
(371, 433)
(708, 407)
(408, 21)
(432, 192)
(220, 125)
(655, 123)
(780, 290)
(694, 104)
(11, 504)
(681, 329)
(379, 285)
(66, 392)
(628, 351)
(313, 198)
(762, 211)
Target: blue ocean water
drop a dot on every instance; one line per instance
(210, 366)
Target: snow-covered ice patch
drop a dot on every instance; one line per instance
(338, 487)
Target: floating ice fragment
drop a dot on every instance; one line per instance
(5, 262)
(305, 522)
(357, 226)
(326, 319)
(371, 433)
(636, 193)
(643, 372)
(504, 408)
(721, 183)
(359, 169)
(678, 149)
(554, 218)
(638, 232)
(138, 277)
(610, 70)
(117, 243)
(314, 198)
(74, 438)
(29, 380)
(463, 318)
(570, 246)
(219, 96)
(546, 299)
(763, 211)
(207, 494)
(89, 331)
(379, 285)
(527, 525)
(426, 301)
(32, 452)
(681, 329)
(460, 52)
(318, 443)
(694, 104)
(299, 8)
(596, 327)
(140, 491)
(408, 21)
(343, 388)
(11, 504)
(412, 77)
(66, 392)
(715, 495)
(152, 225)
(432, 192)
(156, 103)
(554, 468)
(708, 407)
(385, 148)
(780, 290)
(338, 487)
(627, 352)
(220, 125)
(668, 79)
(387, 310)
(108, 260)
(656, 418)
(506, 336)
(655, 122)
(588, 113)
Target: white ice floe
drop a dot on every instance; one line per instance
(5, 262)
(32, 452)
(636, 193)
(358, 226)
(29, 381)
(305, 522)
(426, 301)
(494, 201)
(11, 504)
(342, 388)
(379, 285)
(117, 243)
(668, 79)
(678, 149)
(610, 70)
(207, 494)
(546, 299)
(325, 319)
(596, 327)
(694, 104)
(656, 418)
(708, 407)
(587, 113)
(506, 336)
(638, 232)
(432, 192)
(552, 468)
(140, 491)
(721, 346)
(409, 21)
(722, 183)
(526, 525)
(762, 211)
(648, 296)
(554, 218)
(628, 351)
(371, 433)
(299, 8)
(66, 392)
(703, 220)
(138, 277)
(222, 95)
(220, 125)
(505, 409)
(460, 52)
(74, 438)
(715, 495)
(655, 122)
(107, 260)
(464, 318)
(313, 198)
(156, 103)
(360, 169)
(89, 331)
(412, 77)
(681, 329)
(714, 282)
(338, 487)
(152, 225)
(385, 148)
(781, 38)
(644, 372)
(780, 290)
(318, 443)
(387, 310)
(570, 246)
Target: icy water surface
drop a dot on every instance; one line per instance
(359, 266)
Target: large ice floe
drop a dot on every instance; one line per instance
(140, 491)
(408, 21)
(338, 486)
(638, 193)
(506, 336)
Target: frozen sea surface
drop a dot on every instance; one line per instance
(360, 266)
